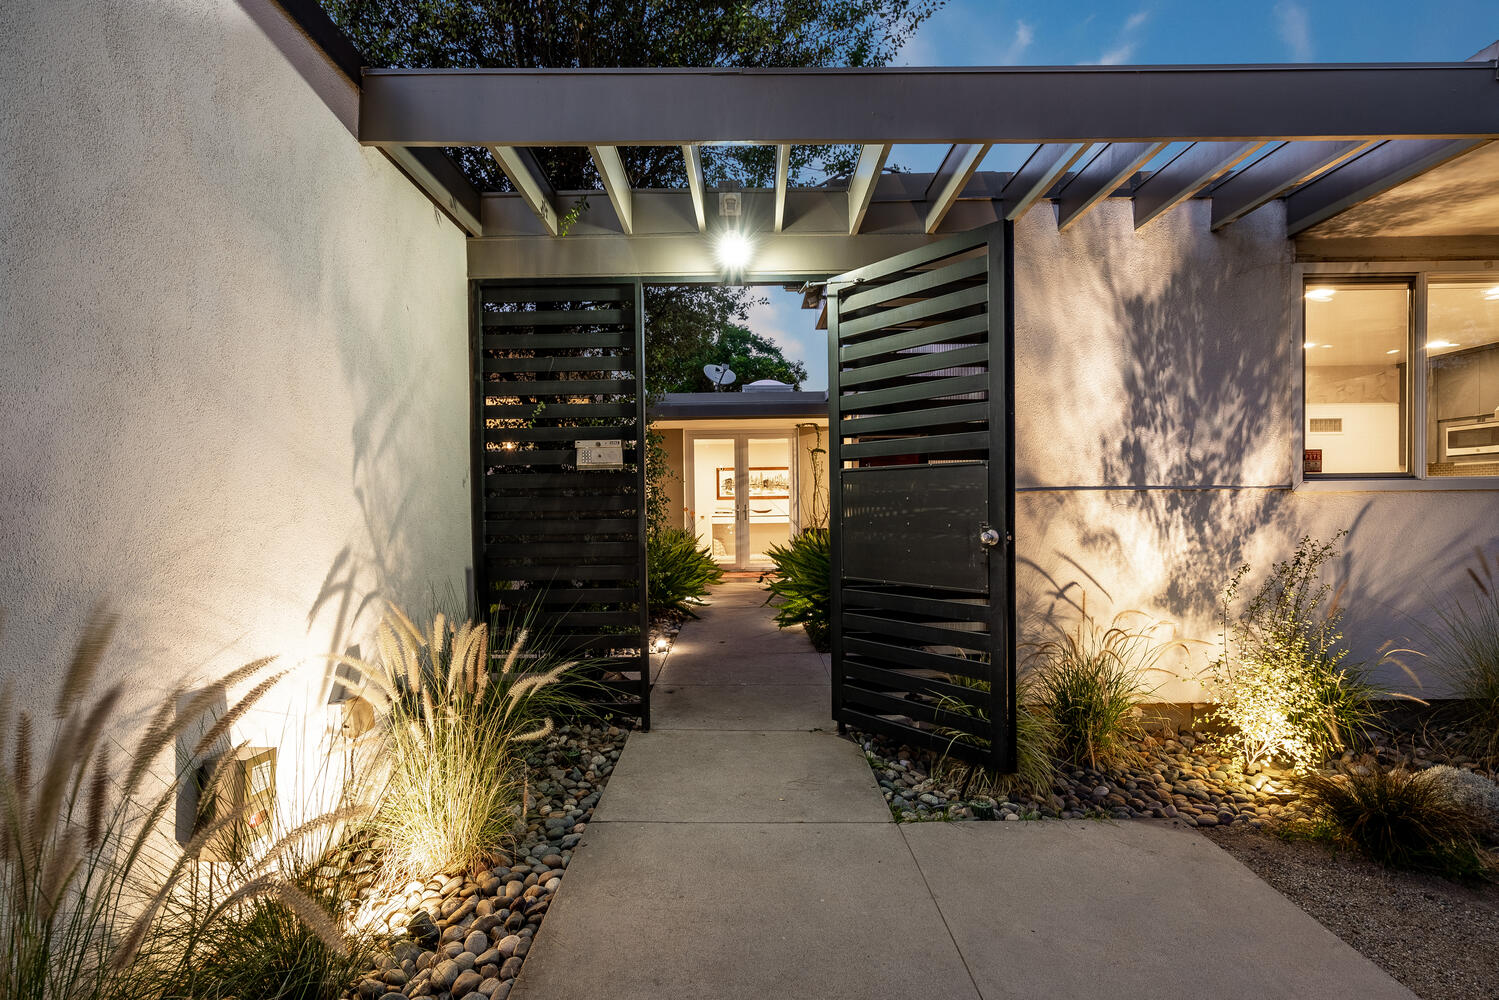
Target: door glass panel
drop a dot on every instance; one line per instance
(1462, 378)
(768, 495)
(713, 492)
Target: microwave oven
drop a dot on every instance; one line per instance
(1475, 436)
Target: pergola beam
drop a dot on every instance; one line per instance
(950, 179)
(616, 183)
(783, 177)
(1113, 165)
(1193, 169)
(1046, 165)
(695, 185)
(530, 183)
(1381, 168)
(861, 184)
(442, 181)
(1277, 172)
(617, 107)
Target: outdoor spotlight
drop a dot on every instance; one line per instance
(660, 645)
(734, 250)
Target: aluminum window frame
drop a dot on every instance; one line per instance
(1420, 273)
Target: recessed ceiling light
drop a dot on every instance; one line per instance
(1438, 344)
(1320, 294)
(1309, 344)
(1492, 295)
(1393, 351)
(1325, 346)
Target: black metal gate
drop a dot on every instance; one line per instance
(559, 477)
(923, 627)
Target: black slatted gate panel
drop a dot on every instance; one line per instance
(923, 501)
(559, 365)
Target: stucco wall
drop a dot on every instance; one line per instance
(233, 385)
(1156, 430)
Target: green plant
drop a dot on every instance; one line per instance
(658, 474)
(454, 727)
(800, 583)
(679, 571)
(1091, 681)
(1464, 645)
(1282, 686)
(1035, 741)
(1401, 819)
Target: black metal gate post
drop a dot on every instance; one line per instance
(560, 472)
(921, 452)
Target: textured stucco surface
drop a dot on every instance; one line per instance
(1156, 431)
(233, 384)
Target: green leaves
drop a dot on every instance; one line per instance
(800, 586)
(679, 571)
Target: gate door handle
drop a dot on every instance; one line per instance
(988, 537)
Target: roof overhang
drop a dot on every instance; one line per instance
(740, 405)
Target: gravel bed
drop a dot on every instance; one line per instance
(1439, 938)
(466, 936)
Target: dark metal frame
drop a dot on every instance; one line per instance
(881, 675)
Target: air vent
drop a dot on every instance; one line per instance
(1326, 425)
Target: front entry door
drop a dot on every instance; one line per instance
(742, 499)
(923, 623)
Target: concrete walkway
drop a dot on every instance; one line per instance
(742, 849)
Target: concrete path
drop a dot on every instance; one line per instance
(741, 849)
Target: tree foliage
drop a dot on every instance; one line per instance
(751, 356)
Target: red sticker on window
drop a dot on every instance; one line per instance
(1311, 460)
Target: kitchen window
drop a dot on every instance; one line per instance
(1401, 377)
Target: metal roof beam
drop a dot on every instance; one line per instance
(530, 183)
(696, 186)
(1038, 174)
(1381, 168)
(861, 184)
(616, 182)
(618, 107)
(951, 177)
(783, 176)
(442, 181)
(1193, 169)
(1113, 165)
(1277, 172)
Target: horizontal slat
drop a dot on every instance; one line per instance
(922, 739)
(940, 333)
(536, 456)
(967, 298)
(955, 609)
(578, 643)
(972, 356)
(930, 445)
(575, 619)
(915, 631)
(498, 569)
(554, 317)
(930, 714)
(558, 525)
(927, 389)
(503, 434)
(590, 363)
(496, 294)
(613, 480)
(536, 550)
(559, 387)
(580, 595)
(500, 505)
(916, 658)
(557, 341)
(942, 416)
(557, 411)
(921, 283)
(901, 681)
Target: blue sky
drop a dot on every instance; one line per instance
(980, 33)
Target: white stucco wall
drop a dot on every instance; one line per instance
(1156, 435)
(233, 379)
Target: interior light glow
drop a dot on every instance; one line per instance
(1309, 344)
(1325, 346)
(1492, 295)
(1320, 294)
(1437, 344)
(734, 250)
(1393, 350)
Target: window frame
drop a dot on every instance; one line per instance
(1419, 273)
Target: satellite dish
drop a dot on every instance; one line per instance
(719, 375)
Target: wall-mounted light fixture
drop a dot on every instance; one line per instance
(734, 251)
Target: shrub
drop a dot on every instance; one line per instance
(454, 727)
(1465, 647)
(1471, 791)
(1281, 683)
(679, 571)
(1401, 819)
(1035, 741)
(1091, 681)
(800, 583)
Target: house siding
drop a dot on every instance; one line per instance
(1157, 408)
(234, 383)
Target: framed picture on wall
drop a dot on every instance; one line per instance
(770, 483)
(725, 480)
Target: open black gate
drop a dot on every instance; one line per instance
(923, 624)
(559, 479)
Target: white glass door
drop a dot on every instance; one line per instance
(766, 509)
(742, 496)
